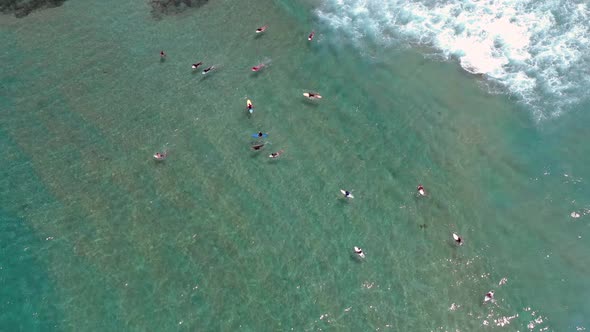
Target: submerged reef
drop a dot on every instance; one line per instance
(22, 8)
(170, 7)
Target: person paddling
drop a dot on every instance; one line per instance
(276, 154)
(258, 67)
(261, 29)
(359, 252)
(260, 135)
(458, 239)
(159, 156)
(208, 69)
(421, 190)
(312, 95)
(346, 193)
(488, 297)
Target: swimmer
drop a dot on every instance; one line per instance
(310, 37)
(489, 296)
(261, 29)
(196, 65)
(276, 154)
(208, 69)
(359, 252)
(257, 146)
(258, 67)
(162, 54)
(346, 193)
(312, 95)
(458, 239)
(159, 156)
(421, 191)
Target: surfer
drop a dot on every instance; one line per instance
(208, 69)
(458, 239)
(250, 106)
(421, 191)
(346, 193)
(261, 134)
(196, 65)
(162, 54)
(258, 67)
(310, 37)
(160, 156)
(488, 297)
(359, 252)
(261, 29)
(276, 154)
(312, 95)
(257, 146)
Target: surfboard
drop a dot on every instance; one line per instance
(263, 135)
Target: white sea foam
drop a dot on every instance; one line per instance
(539, 50)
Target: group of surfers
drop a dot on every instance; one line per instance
(160, 156)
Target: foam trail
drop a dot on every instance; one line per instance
(538, 50)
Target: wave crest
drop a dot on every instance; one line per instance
(538, 50)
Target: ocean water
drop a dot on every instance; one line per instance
(97, 236)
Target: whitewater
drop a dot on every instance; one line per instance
(536, 51)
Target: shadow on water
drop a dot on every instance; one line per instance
(308, 102)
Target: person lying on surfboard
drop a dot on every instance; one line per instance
(359, 252)
(458, 239)
(276, 154)
(208, 69)
(250, 106)
(160, 155)
(258, 67)
(261, 29)
(260, 135)
(162, 54)
(488, 297)
(346, 193)
(196, 65)
(421, 191)
(310, 37)
(312, 95)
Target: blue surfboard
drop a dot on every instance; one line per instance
(263, 135)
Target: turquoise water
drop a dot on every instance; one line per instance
(97, 236)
